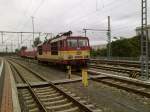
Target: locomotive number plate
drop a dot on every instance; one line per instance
(78, 52)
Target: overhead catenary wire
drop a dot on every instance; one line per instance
(34, 13)
(86, 16)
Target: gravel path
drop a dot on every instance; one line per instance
(48, 71)
(110, 99)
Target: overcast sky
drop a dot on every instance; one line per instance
(56, 16)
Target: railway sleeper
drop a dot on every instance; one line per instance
(77, 98)
(34, 110)
(52, 99)
(48, 92)
(83, 101)
(31, 105)
(56, 102)
(73, 109)
(49, 95)
(25, 90)
(97, 110)
(45, 93)
(29, 101)
(90, 105)
(43, 89)
(26, 94)
(60, 107)
(27, 97)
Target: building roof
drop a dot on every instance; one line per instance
(99, 46)
(138, 28)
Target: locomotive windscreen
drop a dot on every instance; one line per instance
(77, 42)
(72, 43)
(83, 42)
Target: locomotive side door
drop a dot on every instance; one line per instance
(54, 48)
(40, 51)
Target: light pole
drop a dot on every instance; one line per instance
(33, 26)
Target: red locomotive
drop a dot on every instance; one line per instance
(63, 49)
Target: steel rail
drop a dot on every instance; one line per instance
(43, 109)
(117, 62)
(136, 83)
(132, 72)
(127, 88)
(115, 69)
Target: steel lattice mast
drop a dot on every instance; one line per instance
(109, 39)
(144, 40)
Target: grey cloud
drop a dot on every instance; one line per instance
(61, 15)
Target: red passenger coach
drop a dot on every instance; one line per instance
(31, 53)
(28, 53)
(21, 53)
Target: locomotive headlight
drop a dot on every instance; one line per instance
(70, 57)
(86, 56)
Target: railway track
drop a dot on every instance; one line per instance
(131, 86)
(123, 63)
(125, 84)
(48, 98)
(126, 67)
(131, 71)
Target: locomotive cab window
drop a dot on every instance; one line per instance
(72, 43)
(83, 42)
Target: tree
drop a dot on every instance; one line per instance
(93, 53)
(16, 50)
(23, 48)
(126, 47)
(123, 47)
(37, 41)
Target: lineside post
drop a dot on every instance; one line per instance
(109, 40)
(2, 37)
(84, 77)
(21, 37)
(33, 27)
(69, 71)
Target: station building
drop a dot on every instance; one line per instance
(138, 31)
(96, 47)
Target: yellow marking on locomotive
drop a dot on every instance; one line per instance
(75, 54)
(65, 55)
